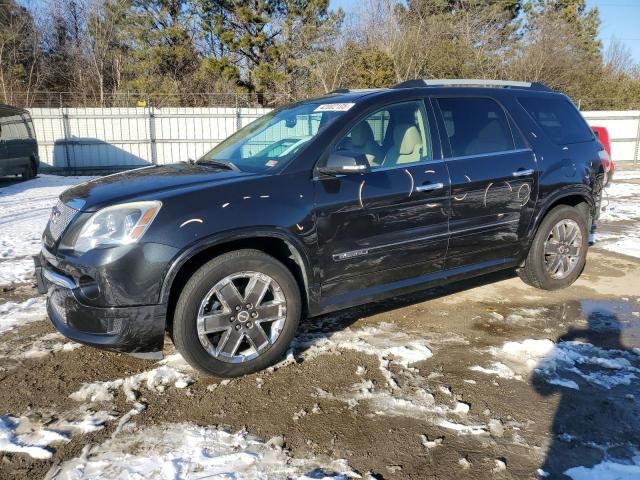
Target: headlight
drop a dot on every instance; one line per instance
(118, 225)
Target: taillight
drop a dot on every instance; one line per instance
(607, 164)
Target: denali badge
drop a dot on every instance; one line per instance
(346, 255)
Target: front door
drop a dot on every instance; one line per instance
(388, 224)
(493, 181)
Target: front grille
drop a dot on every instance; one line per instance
(61, 216)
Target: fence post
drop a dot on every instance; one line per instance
(636, 155)
(238, 116)
(152, 135)
(66, 130)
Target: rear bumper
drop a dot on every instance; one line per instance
(135, 329)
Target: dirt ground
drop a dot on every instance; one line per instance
(527, 427)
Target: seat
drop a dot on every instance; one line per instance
(407, 146)
(362, 140)
(492, 137)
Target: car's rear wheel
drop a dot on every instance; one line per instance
(237, 314)
(559, 250)
(29, 172)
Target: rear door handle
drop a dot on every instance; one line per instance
(430, 186)
(523, 173)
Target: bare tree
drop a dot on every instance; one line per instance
(19, 53)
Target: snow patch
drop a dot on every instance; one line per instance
(37, 347)
(23, 435)
(33, 446)
(24, 211)
(607, 470)
(181, 451)
(563, 364)
(170, 372)
(384, 341)
(618, 221)
(13, 314)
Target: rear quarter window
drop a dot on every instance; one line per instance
(559, 119)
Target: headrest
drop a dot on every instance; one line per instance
(361, 134)
(407, 138)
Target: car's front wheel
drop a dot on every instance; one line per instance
(559, 250)
(237, 314)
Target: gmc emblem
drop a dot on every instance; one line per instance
(55, 215)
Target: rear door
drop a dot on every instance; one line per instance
(493, 180)
(389, 224)
(4, 162)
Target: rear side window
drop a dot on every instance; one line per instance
(475, 126)
(558, 118)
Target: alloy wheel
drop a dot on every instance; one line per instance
(241, 316)
(562, 249)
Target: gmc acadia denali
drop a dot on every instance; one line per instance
(321, 205)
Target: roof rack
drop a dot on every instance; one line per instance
(470, 82)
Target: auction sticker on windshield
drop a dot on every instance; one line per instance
(333, 107)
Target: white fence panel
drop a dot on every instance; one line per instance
(94, 138)
(106, 138)
(624, 130)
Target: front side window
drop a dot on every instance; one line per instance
(271, 141)
(393, 135)
(475, 126)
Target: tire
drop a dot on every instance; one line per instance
(29, 172)
(209, 345)
(538, 270)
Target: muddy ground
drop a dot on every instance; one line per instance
(534, 424)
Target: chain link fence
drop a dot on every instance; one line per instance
(157, 100)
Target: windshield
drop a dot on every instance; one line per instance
(272, 140)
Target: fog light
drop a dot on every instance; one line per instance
(56, 301)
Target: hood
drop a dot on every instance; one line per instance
(143, 183)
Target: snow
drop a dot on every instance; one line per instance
(181, 451)
(618, 224)
(170, 372)
(626, 174)
(23, 435)
(564, 364)
(607, 470)
(24, 212)
(36, 347)
(498, 369)
(384, 341)
(9, 442)
(13, 314)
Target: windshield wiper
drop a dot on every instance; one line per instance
(227, 165)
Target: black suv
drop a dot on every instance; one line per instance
(18, 145)
(321, 205)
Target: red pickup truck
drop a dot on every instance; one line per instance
(602, 134)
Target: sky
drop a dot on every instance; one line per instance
(620, 19)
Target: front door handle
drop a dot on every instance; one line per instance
(430, 186)
(523, 173)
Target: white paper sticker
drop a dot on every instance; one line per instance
(334, 107)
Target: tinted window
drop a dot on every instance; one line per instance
(12, 127)
(394, 135)
(475, 126)
(558, 118)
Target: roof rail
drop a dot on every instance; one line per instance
(470, 82)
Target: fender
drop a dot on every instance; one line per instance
(298, 250)
(582, 191)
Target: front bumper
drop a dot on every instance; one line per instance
(137, 330)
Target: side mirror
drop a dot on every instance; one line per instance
(345, 163)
